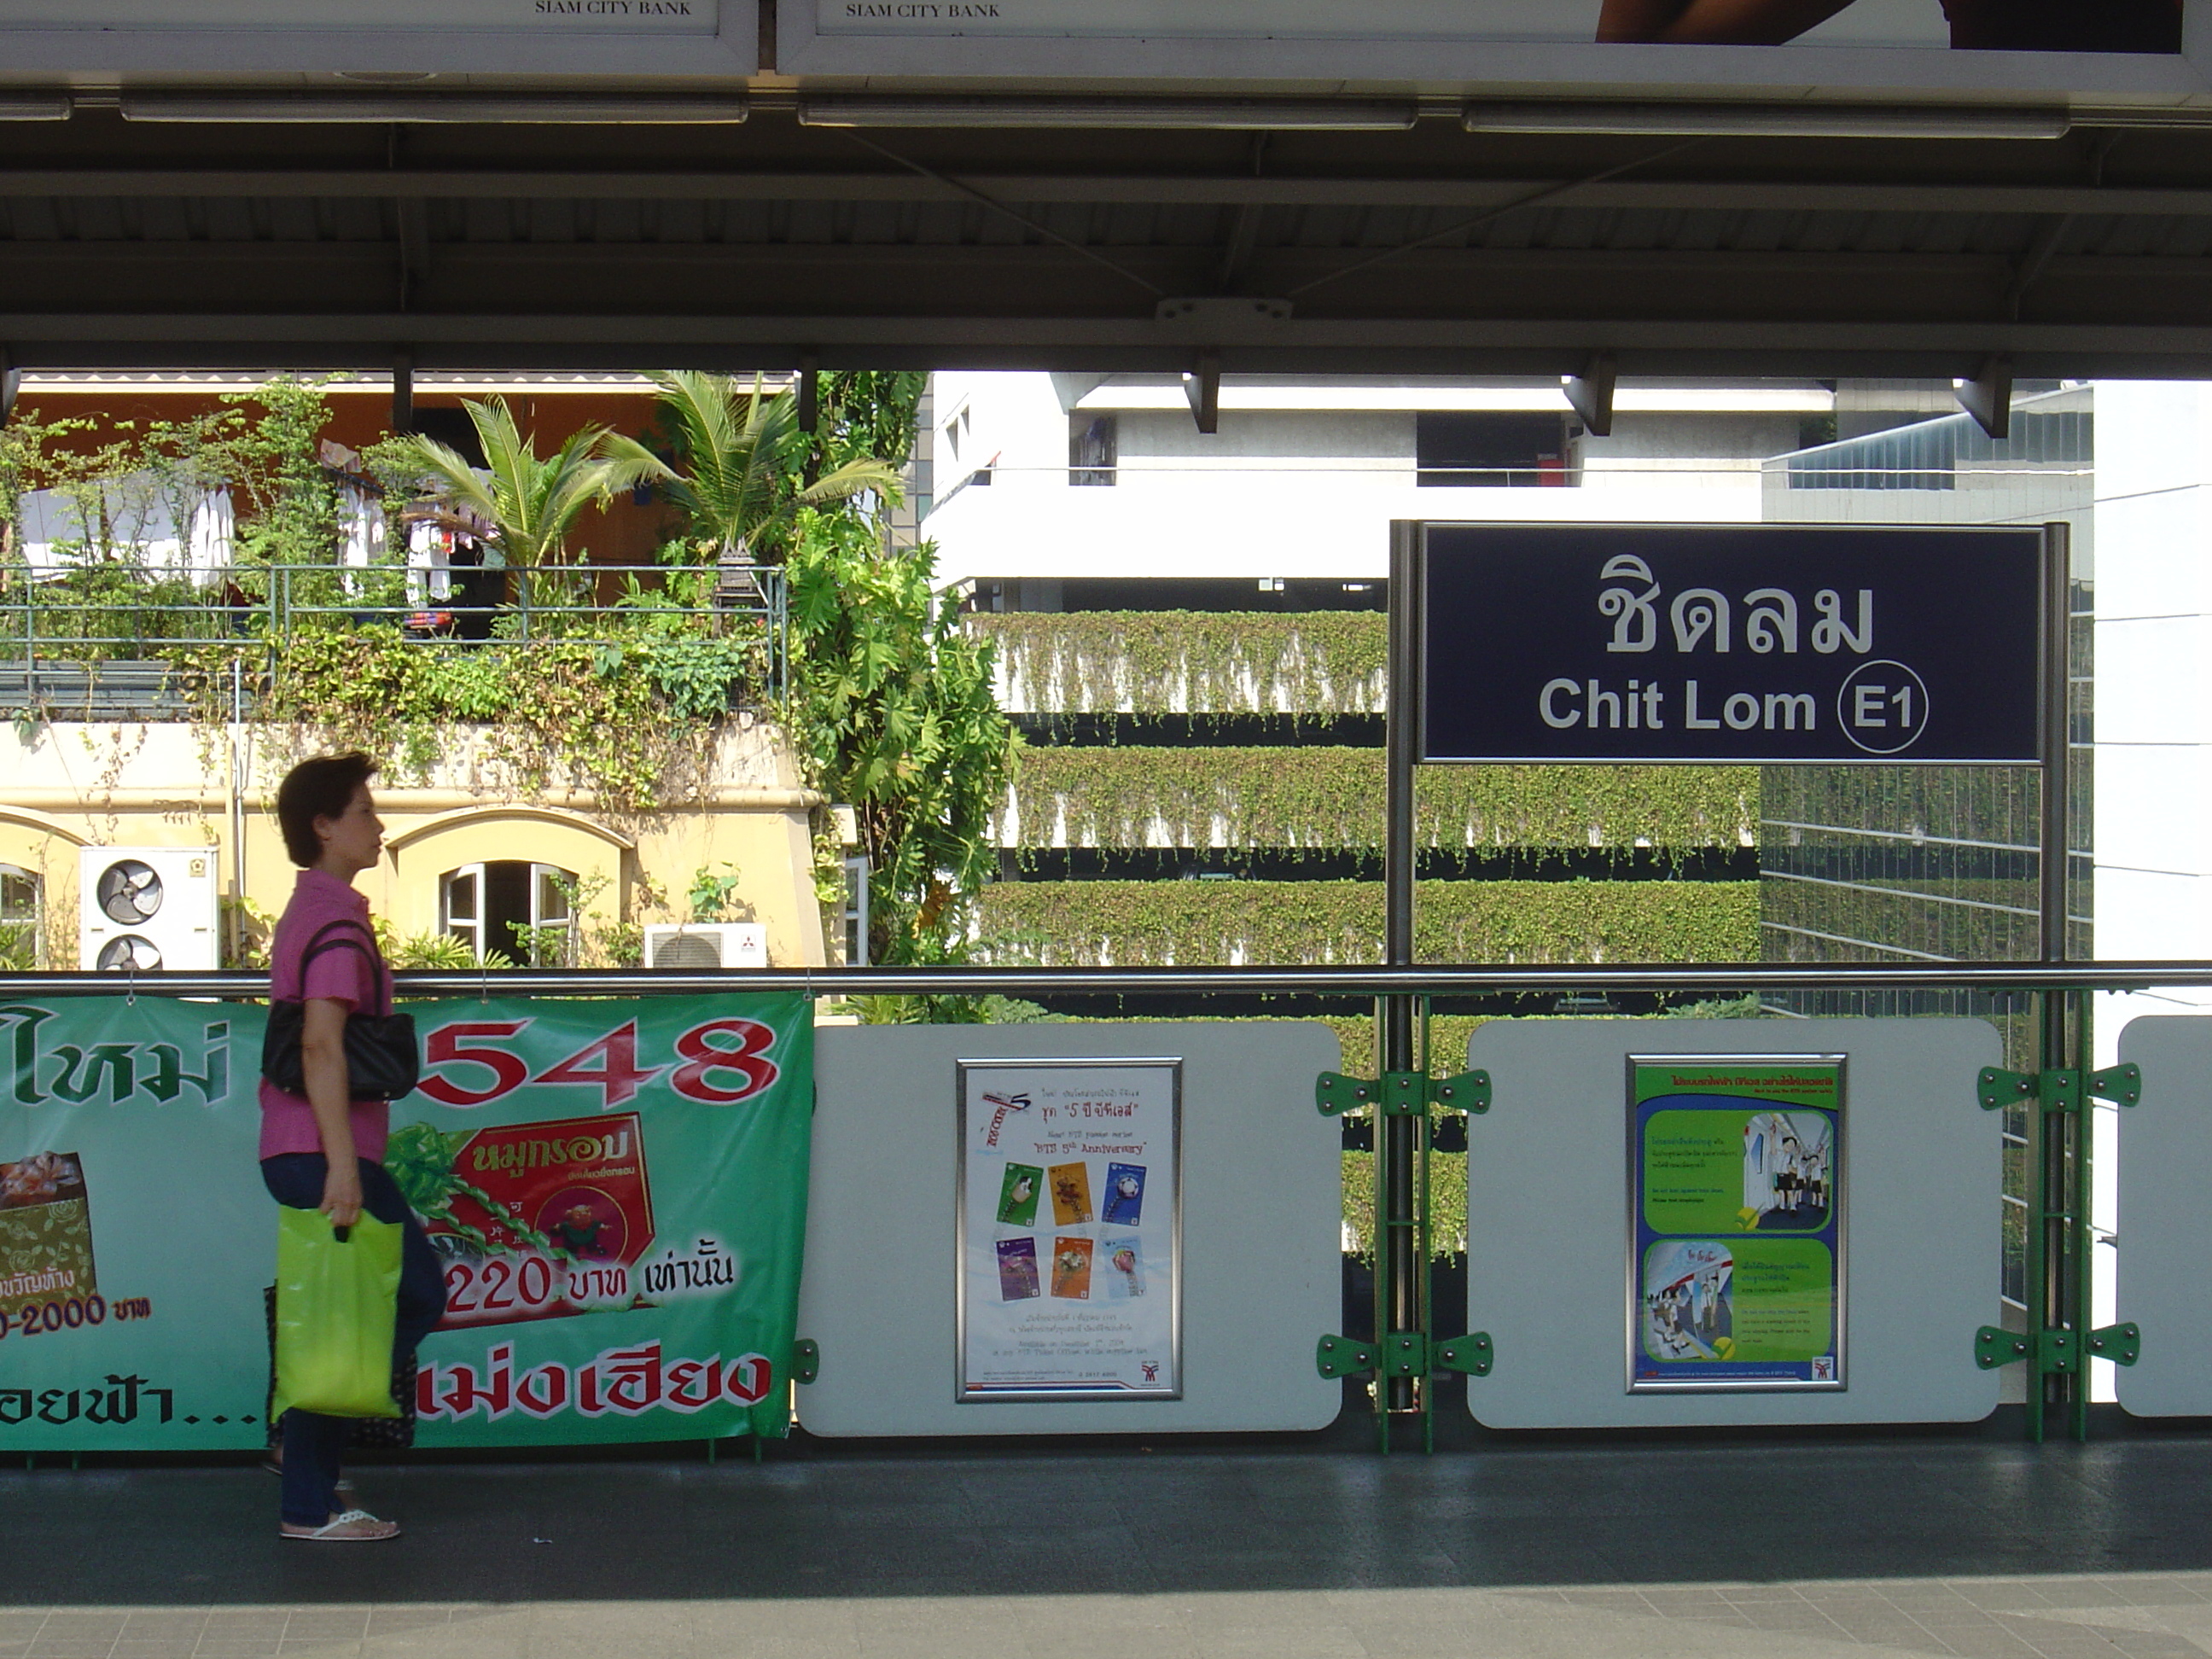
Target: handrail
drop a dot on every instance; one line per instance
(56, 629)
(1442, 979)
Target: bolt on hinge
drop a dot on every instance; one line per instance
(1401, 1094)
(2058, 1090)
(805, 1360)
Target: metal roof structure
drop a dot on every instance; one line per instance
(769, 239)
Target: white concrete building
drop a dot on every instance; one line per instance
(1046, 479)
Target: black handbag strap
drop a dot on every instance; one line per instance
(320, 943)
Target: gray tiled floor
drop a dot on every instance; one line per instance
(1980, 1619)
(1978, 1548)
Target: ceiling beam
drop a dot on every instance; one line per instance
(1688, 195)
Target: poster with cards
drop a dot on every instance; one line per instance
(1737, 1190)
(1069, 1230)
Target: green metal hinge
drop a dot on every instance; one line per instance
(1401, 1094)
(1405, 1353)
(2060, 1350)
(1473, 1354)
(805, 1360)
(1342, 1356)
(1468, 1092)
(2121, 1344)
(2059, 1090)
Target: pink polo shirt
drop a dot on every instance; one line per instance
(287, 1120)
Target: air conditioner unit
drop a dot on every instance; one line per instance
(143, 909)
(708, 944)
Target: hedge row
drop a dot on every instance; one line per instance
(1117, 923)
(1188, 662)
(1332, 798)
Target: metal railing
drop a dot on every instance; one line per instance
(136, 632)
(1439, 981)
(2052, 1211)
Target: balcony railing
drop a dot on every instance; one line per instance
(113, 641)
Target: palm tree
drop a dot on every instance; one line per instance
(740, 450)
(519, 508)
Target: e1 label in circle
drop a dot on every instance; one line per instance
(1883, 707)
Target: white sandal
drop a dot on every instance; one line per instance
(354, 1527)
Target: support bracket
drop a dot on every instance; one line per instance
(1401, 1094)
(1405, 1353)
(805, 1360)
(1472, 1355)
(2057, 1350)
(1590, 393)
(2121, 1344)
(1344, 1356)
(2059, 1090)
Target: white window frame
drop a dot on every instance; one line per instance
(37, 918)
(548, 906)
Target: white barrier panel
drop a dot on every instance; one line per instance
(1886, 1135)
(2165, 1224)
(1256, 1256)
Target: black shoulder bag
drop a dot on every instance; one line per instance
(382, 1059)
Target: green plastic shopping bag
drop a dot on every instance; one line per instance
(337, 1301)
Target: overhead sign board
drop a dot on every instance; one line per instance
(1731, 644)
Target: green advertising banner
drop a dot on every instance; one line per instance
(1736, 1279)
(617, 1190)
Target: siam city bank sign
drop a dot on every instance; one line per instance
(1735, 645)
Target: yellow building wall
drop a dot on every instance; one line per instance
(70, 787)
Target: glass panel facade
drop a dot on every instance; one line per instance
(1933, 863)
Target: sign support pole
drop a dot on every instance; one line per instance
(1398, 1260)
(2057, 1243)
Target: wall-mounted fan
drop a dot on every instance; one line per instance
(128, 953)
(129, 891)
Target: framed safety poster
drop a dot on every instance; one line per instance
(1070, 1250)
(1737, 1189)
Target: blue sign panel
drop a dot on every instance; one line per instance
(1734, 644)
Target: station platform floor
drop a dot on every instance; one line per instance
(1538, 1549)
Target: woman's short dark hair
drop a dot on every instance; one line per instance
(320, 789)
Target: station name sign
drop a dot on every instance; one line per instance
(1731, 645)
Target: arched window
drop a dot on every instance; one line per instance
(22, 915)
(522, 912)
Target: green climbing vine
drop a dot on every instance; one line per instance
(1082, 923)
(1332, 798)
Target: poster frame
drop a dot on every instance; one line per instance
(244, 57)
(1632, 1274)
(1173, 1064)
(1845, 72)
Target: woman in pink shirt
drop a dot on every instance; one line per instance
(324, 1149)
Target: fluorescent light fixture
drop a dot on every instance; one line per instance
(15, 107)
(427, 107)
(1220, 114)
(1767, 120)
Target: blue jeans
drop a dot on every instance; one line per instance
(314, 1444)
